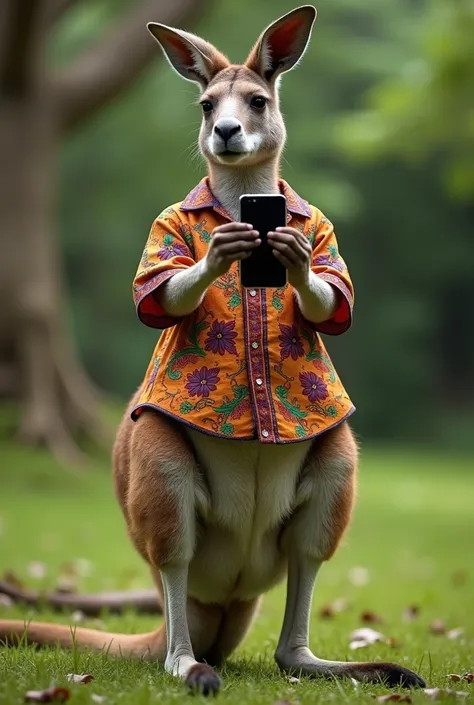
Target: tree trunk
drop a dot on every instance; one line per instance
(38, 364)
(56, 398)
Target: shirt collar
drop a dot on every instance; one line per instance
(202, 197)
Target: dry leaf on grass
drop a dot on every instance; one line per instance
(49, 695)
(67, 584)
(437, 627)
(364, 637)
(393, 643)
(36, 569)
(293, 680)
(98, 698)
(441, 693)
(392, 697)
(411, 613)
(5, 600)
(455, 633)
(469, 677)
(329, 611)
(79, 678)
(371, 618)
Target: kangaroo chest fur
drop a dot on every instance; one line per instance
(252, 488)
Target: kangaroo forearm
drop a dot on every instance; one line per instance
(184, 292)
(317, 299)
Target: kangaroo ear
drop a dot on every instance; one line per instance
(192, 57)
(282, 44)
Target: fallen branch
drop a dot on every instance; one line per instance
(143, 601)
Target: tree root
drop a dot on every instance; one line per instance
(142, 601)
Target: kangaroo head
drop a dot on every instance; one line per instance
(241, 123)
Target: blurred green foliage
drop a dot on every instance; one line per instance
(379, 117)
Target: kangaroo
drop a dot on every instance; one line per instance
(221, 520)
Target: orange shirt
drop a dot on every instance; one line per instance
(246, 364)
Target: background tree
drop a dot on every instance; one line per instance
(41, 103)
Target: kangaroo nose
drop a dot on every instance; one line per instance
(227, 128)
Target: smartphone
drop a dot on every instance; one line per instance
(265, 213)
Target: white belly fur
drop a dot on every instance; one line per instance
(252, 491)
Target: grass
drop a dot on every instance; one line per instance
(412, 533)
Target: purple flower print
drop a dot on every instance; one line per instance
(313, 387)
(172, 248)
(290, 342)
(203, 381)
(329, 261)
(220, 338)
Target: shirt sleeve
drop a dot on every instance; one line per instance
(328, 264)
(166, 253)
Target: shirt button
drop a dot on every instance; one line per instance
(255, 345)
(252, 292)
(265, 433)
(259, 381)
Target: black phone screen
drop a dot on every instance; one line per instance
(265, 213)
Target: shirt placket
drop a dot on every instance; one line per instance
(260, 384)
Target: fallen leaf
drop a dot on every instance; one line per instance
(329, 611)
(440, 693)
(49, 695)
(437, 627)
(469, 677)
(37, 570)
(66, 583)
(293, 680)
(455, 633)
(326, 612)
(411, 613)
(371, 618)
(392, 697)
(79, 678)
(359, 576)
(393, 643)
(98, 698)
(10, 578)
(5, 600)
(360, 638)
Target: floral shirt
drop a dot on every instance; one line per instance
(245, 364)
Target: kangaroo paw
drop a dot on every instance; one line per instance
(203, 679)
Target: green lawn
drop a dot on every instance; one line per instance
(413, 532)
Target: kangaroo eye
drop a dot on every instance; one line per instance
(258, 102)
(206, 106)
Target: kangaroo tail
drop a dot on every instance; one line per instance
(152, 645)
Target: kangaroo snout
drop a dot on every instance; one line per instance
(227, 128)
